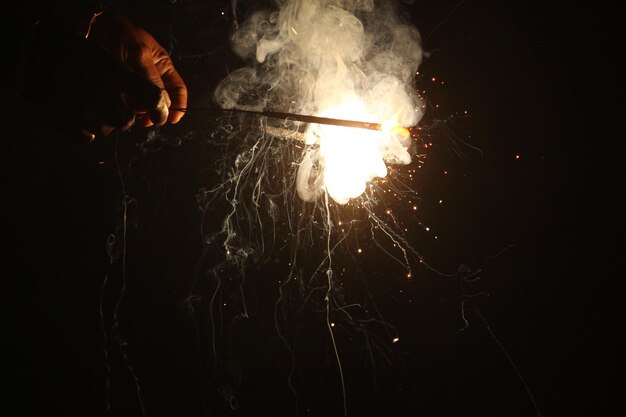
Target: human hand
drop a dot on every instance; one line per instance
(143, 55)
(93, 86)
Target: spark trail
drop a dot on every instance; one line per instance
(339, 76)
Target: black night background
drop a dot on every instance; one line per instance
(532, 204)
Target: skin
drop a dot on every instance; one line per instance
(114, 78)
(143, 55)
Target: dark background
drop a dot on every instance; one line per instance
(538, 81)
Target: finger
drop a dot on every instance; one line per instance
(177, 90)
(85, 136)
(155, 99)
(145, 98)
(129, 123)
(78, 133)
(145, 120)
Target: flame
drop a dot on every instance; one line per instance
(351, 157)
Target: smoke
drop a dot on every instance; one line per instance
(349, 59)
(343, 59)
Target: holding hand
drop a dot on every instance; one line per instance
(93, 85)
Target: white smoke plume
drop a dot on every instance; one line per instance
(348, 59)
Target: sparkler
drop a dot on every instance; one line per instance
(352, 64)
(343, 177)
(305, 118)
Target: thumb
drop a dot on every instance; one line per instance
(146, 90)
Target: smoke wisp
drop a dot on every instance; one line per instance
(349, 59)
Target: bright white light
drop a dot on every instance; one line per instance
(351, 157)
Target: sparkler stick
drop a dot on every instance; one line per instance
(295, 117)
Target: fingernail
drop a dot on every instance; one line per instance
(86, 136)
